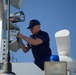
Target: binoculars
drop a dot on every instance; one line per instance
(17, 17)
(15, 43)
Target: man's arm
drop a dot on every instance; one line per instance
(25, 48)
(32, 41)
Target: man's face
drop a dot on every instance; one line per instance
(35, 29)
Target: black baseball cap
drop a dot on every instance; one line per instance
(33, 23)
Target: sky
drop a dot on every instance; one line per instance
(54, 15)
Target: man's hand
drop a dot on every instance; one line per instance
(32, 41)
(19, 35)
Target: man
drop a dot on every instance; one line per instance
(38, 42)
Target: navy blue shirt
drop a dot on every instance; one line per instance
(41, 52)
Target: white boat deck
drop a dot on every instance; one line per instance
(26, 69)
(29, 68)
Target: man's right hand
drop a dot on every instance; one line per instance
(19, 35)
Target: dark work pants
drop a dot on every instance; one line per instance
(40, 63)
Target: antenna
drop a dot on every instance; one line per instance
(63, 45)
(12, 29)
(7, 65)
(63, 42)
